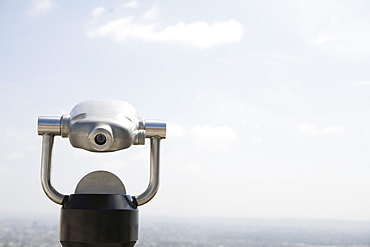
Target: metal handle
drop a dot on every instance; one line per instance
(153, 186)
(55, 196)
(47, 148)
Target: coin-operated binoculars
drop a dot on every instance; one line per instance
(100, 213)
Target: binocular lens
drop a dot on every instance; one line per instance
(100, 139)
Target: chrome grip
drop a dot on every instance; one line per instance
(47, 148)
(153, 186)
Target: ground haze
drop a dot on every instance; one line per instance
(203, 232)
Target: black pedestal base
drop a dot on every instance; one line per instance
(92, 220)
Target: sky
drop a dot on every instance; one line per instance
(266, 102)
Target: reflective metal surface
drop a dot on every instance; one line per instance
(153, 186)
(64, 125)
(47, 147)
(155, 128)
(139, 137)
(114, 120)
(48, 125)
(101, 126)
(100, 182)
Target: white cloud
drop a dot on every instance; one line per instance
(334, 27)
(213, 137)
(258, 140)
(331, 130)
(314, 130)
(192, 168)
(132, 4)
(98, 12)
(175, 131)
(306, 127)
(202, 34)
(152, 13)
(14, 156)
(321, 40)
(361, 83)
(197, 34)
(41, 6)
(18, 136)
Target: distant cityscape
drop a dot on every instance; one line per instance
(206, 233)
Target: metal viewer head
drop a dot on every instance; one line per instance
(101, 126)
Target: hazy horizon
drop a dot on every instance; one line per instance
(207, 232)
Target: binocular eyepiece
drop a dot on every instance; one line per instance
(100, 139)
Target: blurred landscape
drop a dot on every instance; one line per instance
(202, 232)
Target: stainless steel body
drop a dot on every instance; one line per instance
(101, 126)
(114, 122)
